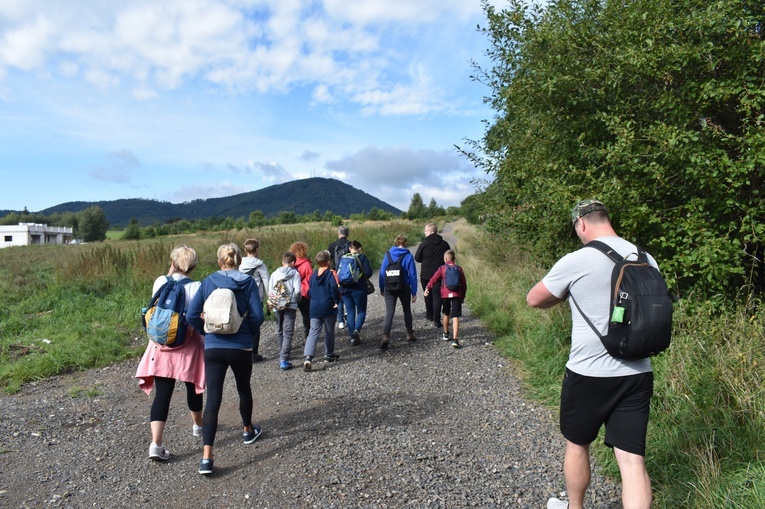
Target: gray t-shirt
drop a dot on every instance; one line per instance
(586, 274)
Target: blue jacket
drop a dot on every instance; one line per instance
(324, 294)
(247, 301)
(407, 264)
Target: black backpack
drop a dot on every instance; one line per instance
(640, 309)
(341, 248)
(394, 274)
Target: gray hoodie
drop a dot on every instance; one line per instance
(256, 268)
(293, 283)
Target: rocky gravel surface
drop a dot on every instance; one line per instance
(420, 425)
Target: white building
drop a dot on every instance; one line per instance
(26, 234)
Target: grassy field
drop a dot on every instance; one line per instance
(74, 307)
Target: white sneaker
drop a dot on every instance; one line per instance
(556, 503)
(341, 325)
(196, 430)
(158, 452)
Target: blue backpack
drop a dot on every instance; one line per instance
(348, 272)
(452, 277)
(165, 317)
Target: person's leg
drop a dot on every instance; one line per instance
(350, 311)
(455, 327)
(256, 344)
(428, 301)
(288, 331)
(195, 403)
(636, 485)
(313, 336)
(329, 335)
(279, 315)
(435, 292)
(406, 307)
(360, 302)
(576, 470)
(304, 306)
(390, 310)
(215, 373)
(160, 407)
(341, 313)
(242, 374)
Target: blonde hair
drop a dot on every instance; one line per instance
(431, 228)
(400, 241)
(300, 249)
(251, 245)
(322, 258)
(184, 259)
(449, 255)
(229, 256)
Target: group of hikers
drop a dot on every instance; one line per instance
(224, 313)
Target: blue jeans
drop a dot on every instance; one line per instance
(328, 323)
(356, 306)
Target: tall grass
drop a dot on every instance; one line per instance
(73, 307)
(707, 427)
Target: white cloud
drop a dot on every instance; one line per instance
(119, 168)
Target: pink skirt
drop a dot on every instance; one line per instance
(185, 363)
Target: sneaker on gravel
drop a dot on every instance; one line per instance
(384, 344)
(196, 430)
(556, 503)
(307, 364)
(331, 358)
(355, 338)
(206, 466)
(256, 358)
(445, 336)
(250, 436)
(410, 336)
(285, 365)
(455, 344)
(158, 452)
(341, 325)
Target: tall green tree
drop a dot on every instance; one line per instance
(417, 208)
(132, 230)
(92, 224)
(656, 107)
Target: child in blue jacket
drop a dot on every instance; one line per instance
(324, 293)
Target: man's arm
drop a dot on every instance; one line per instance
(540, 297)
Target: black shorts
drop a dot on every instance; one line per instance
(621, 403)
(452, 307)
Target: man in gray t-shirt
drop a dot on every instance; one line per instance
(597, 388)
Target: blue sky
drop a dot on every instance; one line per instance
(177, 100)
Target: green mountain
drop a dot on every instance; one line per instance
(299, 196)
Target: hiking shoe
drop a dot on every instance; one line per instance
(331, 358)
(455, 344)
(556, 503)
(158, 452)
(384, 344)
(355, 338)
(196, 430)
(410, 336)
(206, 466)
(256, 358)
(285, 365)
(250, 436)
(307, 364)
(445, 336)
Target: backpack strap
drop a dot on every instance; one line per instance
(615, 257)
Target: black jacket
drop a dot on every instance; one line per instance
(430, 253)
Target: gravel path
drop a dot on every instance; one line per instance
(421, 425)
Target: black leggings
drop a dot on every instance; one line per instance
(163, 393)
(217, 362)
(304, 305)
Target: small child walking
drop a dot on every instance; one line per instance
(324, 293)
(285, 317)
(453, 290)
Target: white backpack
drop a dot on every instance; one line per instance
(221, 315)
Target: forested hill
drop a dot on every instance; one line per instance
(299, 196)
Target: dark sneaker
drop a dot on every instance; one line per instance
(455, 344)
(256, 358)
(285, 365)
(355, 338)
(438, 324)
(307, 364)
(410, 336)
(445, 336)
(158, 452)
(331, 358)
(384, 344)
(206, 466)
(250, 436)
